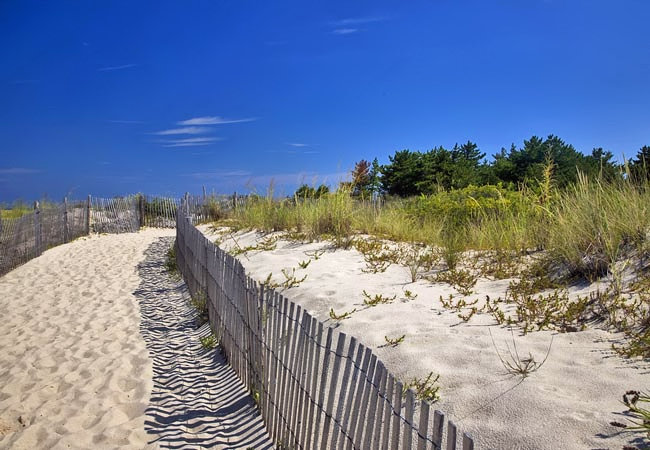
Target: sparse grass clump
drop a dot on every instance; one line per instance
(209, 342)
(200, 302)
(170, 261)
(425, 388)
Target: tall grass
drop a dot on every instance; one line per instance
(595, 224)
(585, 228)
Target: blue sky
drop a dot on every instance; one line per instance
(163, 97)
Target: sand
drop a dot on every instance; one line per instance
(567, 403)
(99, 349)
(75, 371)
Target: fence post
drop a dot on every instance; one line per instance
(187, 205)
(66, 231)
(141, 210)
(88, 215)
(234, 201)
(37, 229)
(204, 194)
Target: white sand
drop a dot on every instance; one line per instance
(568, 403)
(74, 369)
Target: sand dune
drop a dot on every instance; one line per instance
(568, 403)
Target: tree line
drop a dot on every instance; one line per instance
(411, 173)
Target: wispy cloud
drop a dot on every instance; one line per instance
(111, 68)
(184, 130)
(190, 142)
(214, 120)
(345, 30)
(125, 121)
(18, 171)
(297, 144)
(357, 21)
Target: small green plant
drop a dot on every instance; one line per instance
(316, 254)
(417, 261)
(170, 261)
(394, 342)
(410, 295)
(469, 315)
(208, 342)
(425, 388)
(462, 280)
(377, 255)
(342, 316)
(269, 243)
(639, 415)
(304, 264)
(457, 305)
(200, 302)
(514, 364)
(268, 283)
(377, 299)
(290, 279)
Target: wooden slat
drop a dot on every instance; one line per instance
(423, 425)
(314, 387)
(396, 420)
(346, 388)
(407, 438)
(371, 416)
(329, 411)
(468, 442)
(438, 425)
(358, 394)
(451, 436)
(390, 385)
(367, 388)
(322, 387)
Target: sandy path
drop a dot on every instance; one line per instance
(75, 371)
(197, 400)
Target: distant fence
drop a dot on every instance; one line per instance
(315, 388)
(26, 237)
(48, 225)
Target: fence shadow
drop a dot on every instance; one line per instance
(197, 399)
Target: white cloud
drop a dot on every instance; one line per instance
(190, 142)
(297, 144)
(213, 120)
(357, 21)
(111, 68)
(184, 130)
(345, 30)
(18, 171)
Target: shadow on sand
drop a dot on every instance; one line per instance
(197, 400)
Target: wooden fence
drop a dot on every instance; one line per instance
(315, 387)
(26, 237)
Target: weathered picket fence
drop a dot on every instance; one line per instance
(48, 225)
(315, 387)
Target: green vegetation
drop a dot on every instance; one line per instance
(516, 365)
(639, 416)
(170, 261)
(543, 213)
(209, 342)
(425, 388)
(394, 342)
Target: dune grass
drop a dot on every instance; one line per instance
(591, 230)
